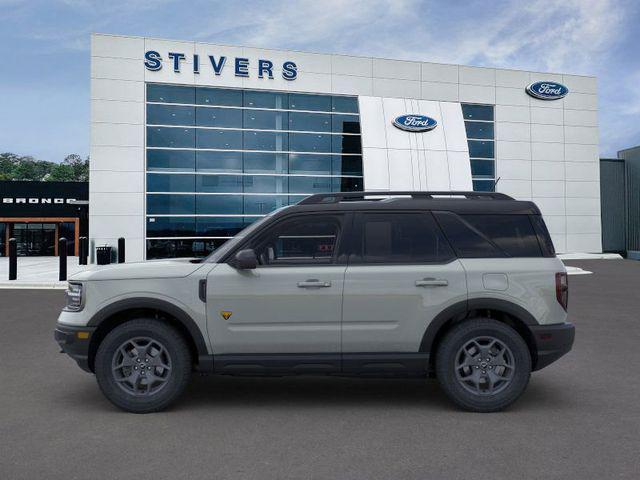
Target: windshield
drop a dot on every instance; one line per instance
(230, 244)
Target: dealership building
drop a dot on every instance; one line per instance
(190, 142)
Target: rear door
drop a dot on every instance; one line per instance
(402, 273)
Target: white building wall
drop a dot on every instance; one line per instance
(546, 151)
(394, 159)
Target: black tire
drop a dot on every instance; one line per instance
(452, 358)
(170, 349)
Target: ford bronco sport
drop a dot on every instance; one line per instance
(463, 286)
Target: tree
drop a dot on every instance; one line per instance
(16, 167)
(61, 173)
(79, 167)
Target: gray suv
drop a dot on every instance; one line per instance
(463, 286)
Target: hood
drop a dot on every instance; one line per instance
(174, 268)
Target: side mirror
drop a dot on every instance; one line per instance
(245, 260)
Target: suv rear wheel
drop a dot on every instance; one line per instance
(483, 365)
(143, 365)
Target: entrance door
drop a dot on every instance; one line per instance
(35, 239)
(290, 304)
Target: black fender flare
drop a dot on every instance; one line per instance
(460, 310)
(154, 304)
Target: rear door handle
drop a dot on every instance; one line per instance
(432, 282)
(313, 283)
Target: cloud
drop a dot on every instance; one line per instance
(596, 37)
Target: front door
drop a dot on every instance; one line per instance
(291, 303)
(401, 274)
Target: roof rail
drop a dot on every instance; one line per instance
(341, 196)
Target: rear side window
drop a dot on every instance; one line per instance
(466, 240)
(400, 238)
(513, 234)
(477, 236)
(546, 244)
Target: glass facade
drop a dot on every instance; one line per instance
(219, 158)
(480, 127)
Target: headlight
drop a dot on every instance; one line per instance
(74, 297)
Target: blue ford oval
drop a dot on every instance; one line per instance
(415, 123)
(547, 90)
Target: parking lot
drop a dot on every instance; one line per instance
(580, 417)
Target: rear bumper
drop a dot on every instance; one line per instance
(552, 342)
(74, 345)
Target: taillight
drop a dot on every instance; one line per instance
(562, 289)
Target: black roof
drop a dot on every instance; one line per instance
(457, 202)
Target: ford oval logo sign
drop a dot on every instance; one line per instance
(415, 123)
(547, 90)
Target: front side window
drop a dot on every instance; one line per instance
(308, 240)
(400, 238)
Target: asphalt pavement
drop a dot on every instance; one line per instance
(579, 419)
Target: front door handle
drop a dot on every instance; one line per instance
(313, 283)
(432, 282)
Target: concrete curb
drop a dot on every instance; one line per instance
(17, 284)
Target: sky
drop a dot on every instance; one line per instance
(44, 78)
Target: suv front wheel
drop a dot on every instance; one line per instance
(143, 365)
(483, 365)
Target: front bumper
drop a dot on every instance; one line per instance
(552, 342)
(75, 342)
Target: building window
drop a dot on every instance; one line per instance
(220, 158)
(480, 126)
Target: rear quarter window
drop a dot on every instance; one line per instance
(490, 235)
(513, 234)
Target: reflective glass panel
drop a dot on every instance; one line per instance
(222, 139)
(345, 104)
(219, 161)
(479, 129)
(346, 144)
(265, 120)
(170, 204)
(171, 227)
(174, 160)
(257, 99)
(347, 184)
(481, 149)
(310, 142)
(265, 184)
(345, 124)
(167, 182)
(170, 137)
(263, 204)
(181, 248)
(310, 185)
(477, 112)
(219, 117)
(265, 140)
(347, 165)
(483, 185)
(170, 114)
(218, 96)
(170, 94)
(220, 226)
(316, 103)
(219, 183)
(218, 204)
(310, 163)
(309, 122)
(261, 162)
(483, 168)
